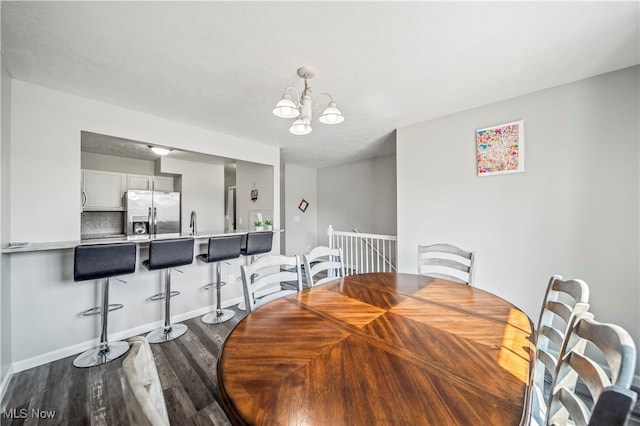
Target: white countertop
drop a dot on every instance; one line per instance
(138, 239)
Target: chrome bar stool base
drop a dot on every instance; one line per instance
(98, 356)
(166, 334)
(168, 254)
(220, 249)
(218, 317)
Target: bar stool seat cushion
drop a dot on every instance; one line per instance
(169, 253)
(95, 261)
(257, 243)
(222, 248)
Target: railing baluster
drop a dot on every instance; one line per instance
(365, 252)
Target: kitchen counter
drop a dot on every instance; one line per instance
(138, 239)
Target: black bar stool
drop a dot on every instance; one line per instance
(168, 254)
(92, 262)
(219, 249)
(255, 243)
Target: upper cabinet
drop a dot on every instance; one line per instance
(103, 190)
(138, 182)
(161, 183)
(156, 183)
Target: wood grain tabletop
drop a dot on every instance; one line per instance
(379, 348)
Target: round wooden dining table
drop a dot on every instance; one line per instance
(379, 348)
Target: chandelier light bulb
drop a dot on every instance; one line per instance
(286, 108)
(331, 115)
(301, 126)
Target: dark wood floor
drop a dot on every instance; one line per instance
(93, 396)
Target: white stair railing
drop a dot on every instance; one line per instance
(365, 252)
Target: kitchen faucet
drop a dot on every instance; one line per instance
(194, 223)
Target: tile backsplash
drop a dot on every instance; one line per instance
(101, 224)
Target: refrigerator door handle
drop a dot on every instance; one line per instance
(150, 222)
(155, 220)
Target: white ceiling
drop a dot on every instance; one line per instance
(223, 65)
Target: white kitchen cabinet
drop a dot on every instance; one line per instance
(157, 183)
(103, 190)
(162, 183)
(138, 182)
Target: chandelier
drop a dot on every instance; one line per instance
(301, 108)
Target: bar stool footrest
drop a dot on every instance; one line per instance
(160, 296)
(98, 310)
(213, 285)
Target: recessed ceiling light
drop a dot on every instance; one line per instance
(160, 151)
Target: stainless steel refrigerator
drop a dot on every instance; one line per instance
(153, 212)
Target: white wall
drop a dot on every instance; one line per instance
(5, 265)
(45, 154)
(229, 182)
(202, 192)
(574, 212)
(248, 174)
(45, 176)
(358, 195)
(301, 228)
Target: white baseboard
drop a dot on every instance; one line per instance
(121, 335)
(6, 379)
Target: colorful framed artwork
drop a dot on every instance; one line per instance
(500, 149)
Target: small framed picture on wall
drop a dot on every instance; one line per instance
(500, 149)
(303, 205)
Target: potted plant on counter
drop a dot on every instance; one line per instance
(267, 225)
(258, 225)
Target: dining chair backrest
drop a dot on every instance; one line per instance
(588, 342)
(563, 300)
(446, 261)
(141, 386)
(323, 260)
(268, 272)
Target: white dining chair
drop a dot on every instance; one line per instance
(563, 300)
(263, 279)
(608, 386)
(141, 386)
(446, 261)
(325, 261)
